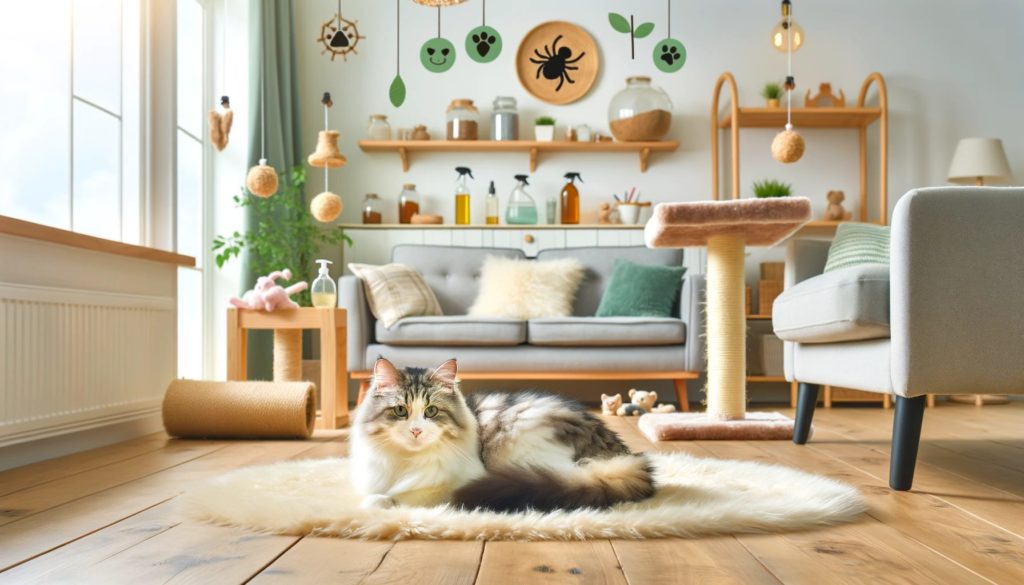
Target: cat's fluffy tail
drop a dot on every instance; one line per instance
(594, 483)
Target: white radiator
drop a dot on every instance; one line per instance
(72, 360)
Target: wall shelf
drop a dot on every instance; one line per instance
(405, 148)
(853, 117)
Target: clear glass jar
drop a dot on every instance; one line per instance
(640, 112)
(379, 128)
(463, 120)
(372, 212)
(408, 203)
(504, 119)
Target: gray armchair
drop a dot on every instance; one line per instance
(945, 317)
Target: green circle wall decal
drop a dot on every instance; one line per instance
(669, 55)
(437, 55)
(483, 44)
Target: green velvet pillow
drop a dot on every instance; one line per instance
(858, 243)
(641, 290)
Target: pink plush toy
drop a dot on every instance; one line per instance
(268, 295)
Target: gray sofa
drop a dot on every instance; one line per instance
(944, 317)
(580, 346)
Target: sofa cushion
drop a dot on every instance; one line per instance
(858, 243)
(394, 291)
(452, 331)
(847, 304)
(606, 331)
(452, 272)
(527, 289)
(599, 262)
(641, 290)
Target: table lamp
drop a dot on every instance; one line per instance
(979, 161)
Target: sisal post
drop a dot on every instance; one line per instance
(726, 329)
(287, 355)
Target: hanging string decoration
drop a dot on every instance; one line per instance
(326, 207)
(220, 119)
(788, 145)
(396, 93)
(483, 43)
(262, 178)
(339, 36)
(669, 53)
(438, 53)
(620, 24)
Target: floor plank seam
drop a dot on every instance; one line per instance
(273, 560)
(479, 563)
(758, 559)
(384, 557)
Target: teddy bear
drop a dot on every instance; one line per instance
(267, 295)
(835, 210)
(646, 400)
(610, 404)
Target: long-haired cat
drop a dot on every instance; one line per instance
(417, 441)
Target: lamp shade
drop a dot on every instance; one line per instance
(979, 161)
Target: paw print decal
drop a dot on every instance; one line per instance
(483, 44)
(669, 55)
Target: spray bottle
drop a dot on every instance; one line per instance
(324, 292)
(571, 199)
(521, 208)
(491, 214)
(462, 196)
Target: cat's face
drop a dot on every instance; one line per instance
(415, 409)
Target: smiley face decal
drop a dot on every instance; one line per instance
(437, 55)
(483, 44)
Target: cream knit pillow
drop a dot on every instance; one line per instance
(527, 289)
(394, 291)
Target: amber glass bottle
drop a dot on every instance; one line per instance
(571, 199)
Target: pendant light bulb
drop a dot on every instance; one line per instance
(780, 40)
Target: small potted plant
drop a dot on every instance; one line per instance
(772, 188)
(772, 93)
(544, 129)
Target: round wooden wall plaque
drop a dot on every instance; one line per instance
(557, 62)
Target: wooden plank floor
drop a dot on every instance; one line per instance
(109, 516)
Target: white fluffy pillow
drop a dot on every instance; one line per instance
(527, 289)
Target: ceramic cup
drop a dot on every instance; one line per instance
(629, 213)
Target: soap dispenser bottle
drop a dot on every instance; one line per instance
(521, 208)
(491, 215)
(462, 196)
(324, 292)
(571, 199)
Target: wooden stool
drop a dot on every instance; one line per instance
(332, 324)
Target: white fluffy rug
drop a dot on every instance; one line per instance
(695, 497)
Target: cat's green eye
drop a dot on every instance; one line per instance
(430, 412)
(400, 411)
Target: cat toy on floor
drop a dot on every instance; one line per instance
(339, 36)
(327, 206)
(788, 145)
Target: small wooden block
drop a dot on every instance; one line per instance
(773, 271)
(767, 291)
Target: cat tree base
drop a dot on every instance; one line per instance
(726, 228)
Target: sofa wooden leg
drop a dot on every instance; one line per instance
(681, 396)
(906, 436)
(364, 387)
(806, 401)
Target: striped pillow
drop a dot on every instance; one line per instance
(394, 291)
(858, 243)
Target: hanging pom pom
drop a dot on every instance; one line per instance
(325, 207)
(262, 180)
(788, 146)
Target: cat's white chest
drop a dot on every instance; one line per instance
(426, 477)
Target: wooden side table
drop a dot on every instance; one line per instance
(332, 324)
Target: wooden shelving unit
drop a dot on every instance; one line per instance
(405, 148)
(859, 117)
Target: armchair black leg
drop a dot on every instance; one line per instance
(806, 400)
(906, 435)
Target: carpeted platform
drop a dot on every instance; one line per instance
(695, 497)
(698, 426)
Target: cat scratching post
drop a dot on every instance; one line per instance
(726, 228)
(287, 355)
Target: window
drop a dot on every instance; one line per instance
(71, 116)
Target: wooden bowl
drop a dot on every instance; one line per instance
(541, 65)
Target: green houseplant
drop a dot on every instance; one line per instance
(283, 234)
(772, 93)
(544, 129)
(772, 188)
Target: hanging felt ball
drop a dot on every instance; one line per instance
(327, 154)
(262, 180)
(788, 145)
(325, 207)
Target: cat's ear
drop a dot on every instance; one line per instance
(446, 374)
(385, 375)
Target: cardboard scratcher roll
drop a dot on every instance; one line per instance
(240, 410)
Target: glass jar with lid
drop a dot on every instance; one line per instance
(504, 119)
(463, 120)
(408, 203)
(640, 111)
(372, 212)
(379, 128)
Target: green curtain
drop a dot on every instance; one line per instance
(273, 91)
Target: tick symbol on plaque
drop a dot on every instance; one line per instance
(556, 63)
